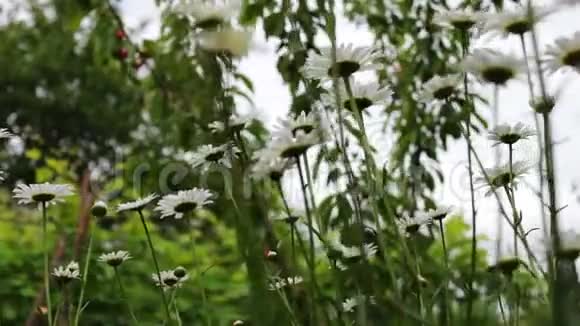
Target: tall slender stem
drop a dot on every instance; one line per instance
(46, 263)
(84, 280)
(124, 296)
(313, 314)
(465, 46)
(418, 278)
(157, 270)
(446, 259)
(497, 158)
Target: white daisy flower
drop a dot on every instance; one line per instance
(231, 41)
(184, 201)
(42, 193)
(410, 226)
(270, 167)
(282, 283)
(458, 18)
(271, 254)
(208, 156)
(493, 66)
(349, 60)
(5, 133)
(115, 258)
(236, 123)
(500, 176)
(365, 95)
(440, 87)
(569, 245)
(440, 213)
(293, 144)
(99, 209)
(354, 252)
(2, 173)
(168, 280)
(303, 122)
(65, 274)
(238, 322)
(509, 135)
(516, 21)
(208, 15)
(350, 303)
(564, 54)
(136, 205)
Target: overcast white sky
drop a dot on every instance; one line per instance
(272, 100)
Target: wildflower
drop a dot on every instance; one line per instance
(168, 279)
(290, 145)
(115, 258)
(462, 19)
(501, 176)
(136, 205)
(271, 254)
(289, 281)
(184, 201)
(207, 156)
(564, 54)
(181, 273)
(99, 209)
(303, 122)
(365, 95)
(42, 193)
(509, 135)
(271, 167)
(516, 21)
(569, 245)
(208, 15)
(542, 104)
(5, 133)
(350, 303)
(440, 87)
(236, 123)
(231, 41)
(506, 264)
(65, 274)
(353, 254)
(238, 323)
(492, 66)
(349, 60)
(410, 226)
(440, 212)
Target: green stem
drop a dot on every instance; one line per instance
(46, 263)
(84, 280)
(420, 302)
(124, 296)
(311, 242)
(158, 271)
(497, 156)
(447, 271)
(465, 47)
(501, 309)
(310, 190)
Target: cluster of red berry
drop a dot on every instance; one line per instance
(122, 53)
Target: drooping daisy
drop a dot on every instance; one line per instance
(462, 19)
(440, 87)
(542, 104)
(181, 273)
(349, 60)
(184, 201)
(293, 144)
(492, 66)
(99, 209)
(365, 95)
(236, 123)
(208, 156)
(270, 167)
(66, 273)
(509, 135)
(136, 205)
(305, 122)
(569, 245)
(5, 133)
(208, 15)
(168, 280)
(235, 42)
(516, 21)
(564, 54)
(42, 193)
(411, 226)
(500, 176)
(115, 258)
(440, 213)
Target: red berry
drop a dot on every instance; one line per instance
(122, 53)
(120, 35)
